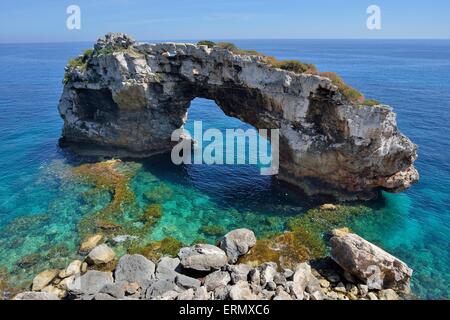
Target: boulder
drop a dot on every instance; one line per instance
(305, 282)
(267, 271)
(90, 283)
(72, 269)
(134, 269)
(167, 268)
(43, 279)
(369, 263)
(35, 296)
(90, 243)
(60, 293)
(217, 279)
(237, 243)
(202, 257)
(388, 294)
(242, 291)
(101, 254)
(160, 287)
(186, 282)
(238, 272)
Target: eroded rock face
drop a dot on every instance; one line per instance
(128, 98)
(369, 263)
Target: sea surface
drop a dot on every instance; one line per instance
(40, 208)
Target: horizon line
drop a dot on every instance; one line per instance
(219, 39)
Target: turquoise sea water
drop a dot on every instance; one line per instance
(40, 207)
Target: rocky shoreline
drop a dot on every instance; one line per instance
(355, 270)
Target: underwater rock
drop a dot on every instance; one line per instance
(43, 279)
(202, 257)
(329, 143)
(237, 243)
(90, 243)
(101, 254)
(369, 263)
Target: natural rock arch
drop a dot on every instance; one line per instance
(126, 99)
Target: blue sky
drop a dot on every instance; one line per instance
(45, 20)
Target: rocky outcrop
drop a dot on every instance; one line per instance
(369, 263)
(126, 99)
(208, 276)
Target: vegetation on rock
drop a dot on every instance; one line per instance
(213, 230)
(155, 250)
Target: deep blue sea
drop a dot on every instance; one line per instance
(39, 210)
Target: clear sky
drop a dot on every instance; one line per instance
(45, 20)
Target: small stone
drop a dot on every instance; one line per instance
(186, 282)
(255, 276)
(101, 254)
(324, 283)
(72, 269)
(388, 294)
(271, 286)
(132, 288)
(217, 279)
(238, 272)
(279, 279)
(55, 291)
(90, 243)
(288, 273)
(342, 296)
(332, 295)
(351, 288)
(372, 296)
(84, 267)
(352, 296)
(35, 296)
(316, 295)
(65, 283)
(103, 297)
(169, 295)
(282, 295)
(222, 293)
(363, 289)
(186, 295)
(159, 287)
(241, 291)
(43, 279)
(116, 290)
(267, 272)
(201, 294)
(340, 288)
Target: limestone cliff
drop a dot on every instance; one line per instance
(126, 98)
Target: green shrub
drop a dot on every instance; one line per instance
(371, 102)
(350, 93)
(295, 66)
(207, 43)
(229, 46)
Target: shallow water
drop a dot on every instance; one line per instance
(412, 76)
